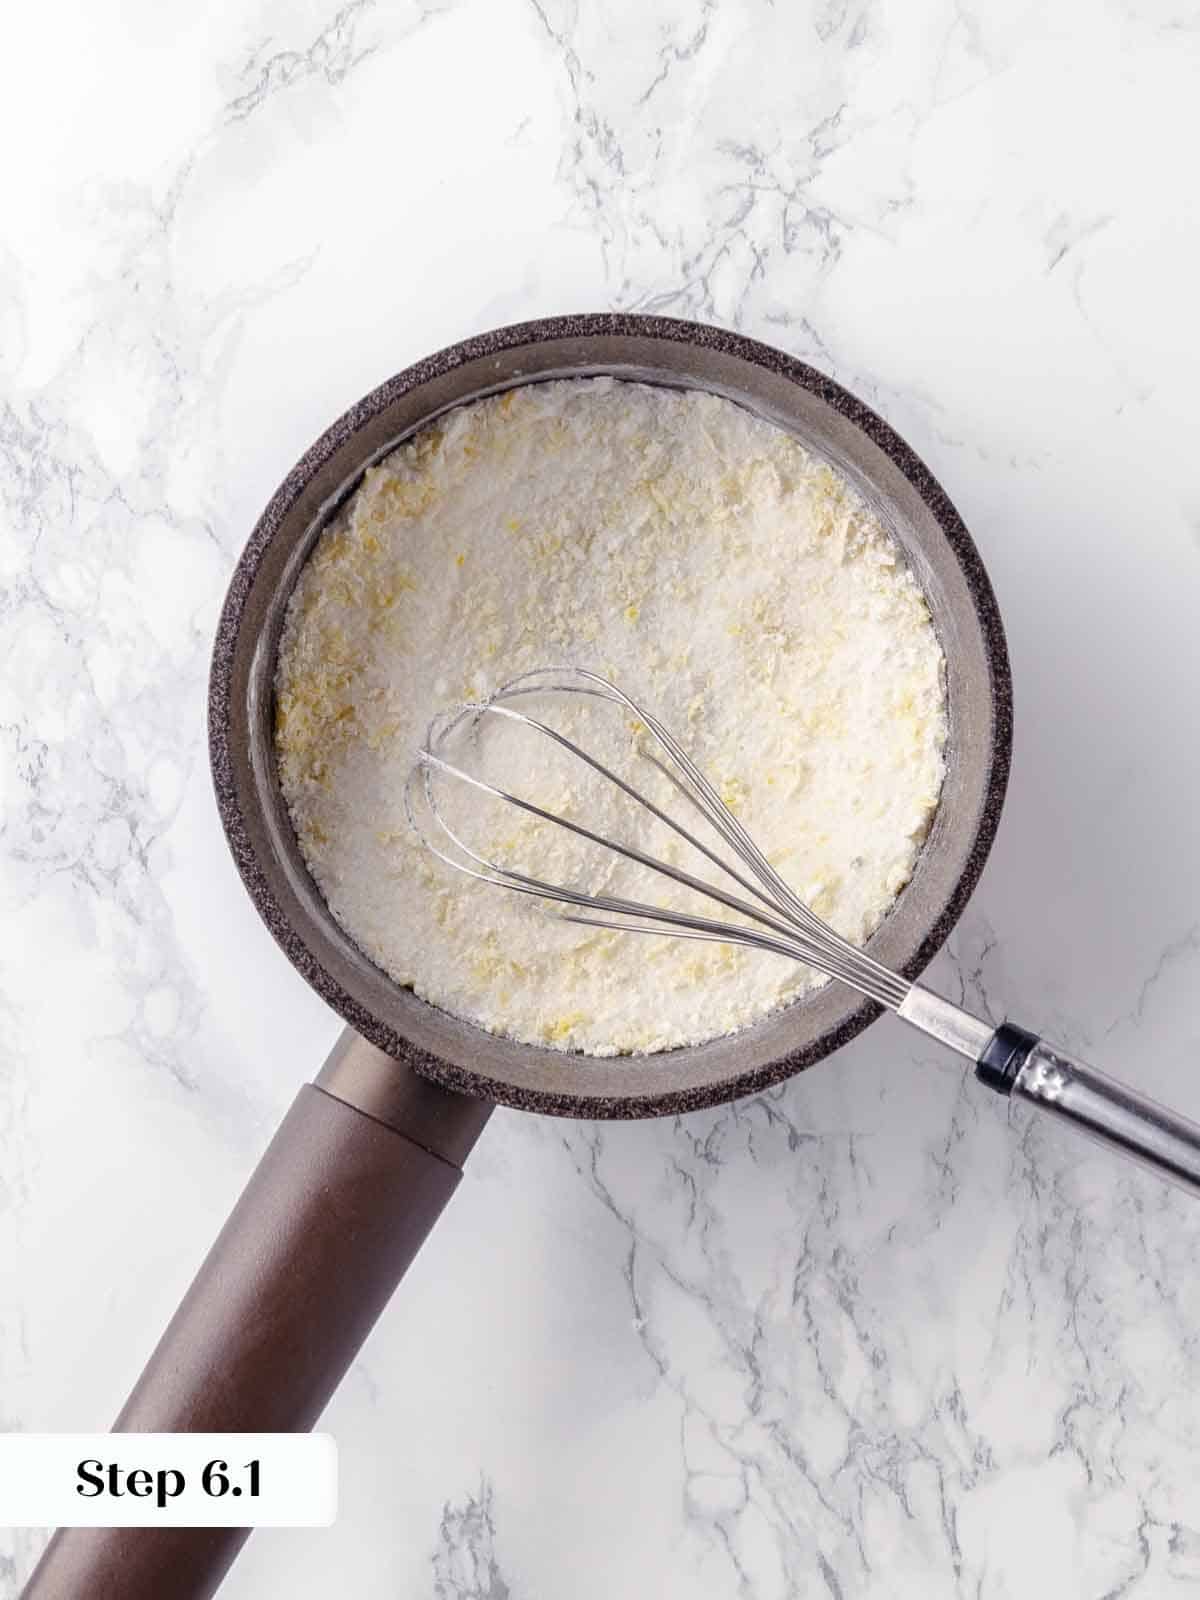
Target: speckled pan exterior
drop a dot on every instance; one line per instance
(656, 350)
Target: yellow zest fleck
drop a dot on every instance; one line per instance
(408, 497)
(734, 792)
(561, 1028)
(632, 613)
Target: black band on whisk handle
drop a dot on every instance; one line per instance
(1019, 1064)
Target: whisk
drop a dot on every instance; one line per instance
(1008, 1058)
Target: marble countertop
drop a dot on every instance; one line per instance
(874, 1333)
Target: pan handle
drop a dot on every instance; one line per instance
(339, 1205)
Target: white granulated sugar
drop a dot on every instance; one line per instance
(708, 564)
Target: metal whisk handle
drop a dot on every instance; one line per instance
(1024, 1066)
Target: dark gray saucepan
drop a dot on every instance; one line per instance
(368, 1155)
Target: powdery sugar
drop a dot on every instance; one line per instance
(712, 567)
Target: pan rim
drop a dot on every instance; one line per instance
(668, 1101)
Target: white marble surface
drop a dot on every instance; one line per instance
(869, 1335)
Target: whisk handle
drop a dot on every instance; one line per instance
(1027, 1068)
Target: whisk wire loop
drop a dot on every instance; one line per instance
(778, 920)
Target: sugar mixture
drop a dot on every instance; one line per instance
(700, 558)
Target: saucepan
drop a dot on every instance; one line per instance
(370, 1153)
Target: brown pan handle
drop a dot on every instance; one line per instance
(337, 1208)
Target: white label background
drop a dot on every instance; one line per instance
(297, 1477)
